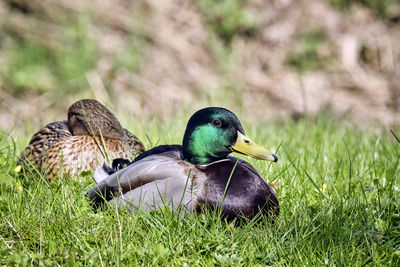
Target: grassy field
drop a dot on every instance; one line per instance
(339, 191)
(338, 185)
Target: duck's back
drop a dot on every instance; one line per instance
(76, 154)
(54, 150)
(43, 140)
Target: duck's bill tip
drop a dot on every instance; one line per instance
(270, 157)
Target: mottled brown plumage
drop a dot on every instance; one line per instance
(91, 135)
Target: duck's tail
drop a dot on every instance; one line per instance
(100, 193)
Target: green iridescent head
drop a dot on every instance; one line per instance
(212, 133)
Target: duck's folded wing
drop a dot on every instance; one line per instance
(149, 169)
(175, 192)
(42, 141)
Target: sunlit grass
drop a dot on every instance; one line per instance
(338, 190)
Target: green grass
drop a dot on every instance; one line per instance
(338, 190)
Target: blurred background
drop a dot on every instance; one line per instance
(150, 58)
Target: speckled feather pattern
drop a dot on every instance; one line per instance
(55, 149)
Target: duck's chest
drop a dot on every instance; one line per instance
(236, 190)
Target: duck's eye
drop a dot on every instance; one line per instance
(216, 122)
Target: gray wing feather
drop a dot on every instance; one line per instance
(173, 191)
(149, 169)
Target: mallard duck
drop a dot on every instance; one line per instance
(91, 135)
(194, 174)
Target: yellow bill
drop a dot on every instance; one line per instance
(246, 146)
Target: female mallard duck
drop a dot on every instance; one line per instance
(198, 173)
(91, 135)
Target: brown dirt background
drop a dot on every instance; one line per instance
(180, 66)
